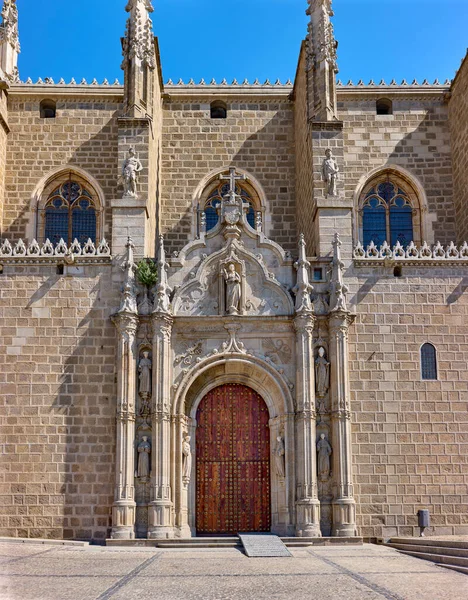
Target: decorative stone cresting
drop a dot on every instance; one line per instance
(20, 252)
(422, 254)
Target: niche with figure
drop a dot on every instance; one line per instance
(232, 286)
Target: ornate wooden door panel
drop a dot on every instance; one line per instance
(233, 461)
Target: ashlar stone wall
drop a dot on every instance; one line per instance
(415, 137)
(458, 114)
(84, 133)
(258, 136)
(57, 402)
(410, 437)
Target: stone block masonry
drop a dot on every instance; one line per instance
(409, 436)
(458, 111)
(257, 136)
(57, 402)
(83, 134)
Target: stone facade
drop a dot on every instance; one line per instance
(102, 372)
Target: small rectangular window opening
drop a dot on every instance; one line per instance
(318, 274)
(60, 269)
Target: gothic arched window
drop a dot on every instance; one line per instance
(69, 213)
(386, 213)
(215, 198)
(428, 362)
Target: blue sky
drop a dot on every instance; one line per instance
(245, 38)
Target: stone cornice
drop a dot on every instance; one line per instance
(67, 90)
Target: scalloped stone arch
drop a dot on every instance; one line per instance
(238, 368)
(38, 198)
(251, 180)
(425, 219)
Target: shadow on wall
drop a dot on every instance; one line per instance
(422, 154)
(97, 156)
(267, 154)
(85, 401)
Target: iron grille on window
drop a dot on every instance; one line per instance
(70, 214)
(428, 362)
(387, 215)
(215, 199)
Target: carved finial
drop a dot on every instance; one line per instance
(129, 295)
(303, 288)
(9, 42)
(162, 303)
(338, 289)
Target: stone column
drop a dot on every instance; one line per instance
(307, 502)
(344, 505)
(124, 507)
(161, 510)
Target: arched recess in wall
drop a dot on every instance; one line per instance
(69, 203)
(390, 205)
(208, 195)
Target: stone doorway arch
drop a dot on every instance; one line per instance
(268, 384)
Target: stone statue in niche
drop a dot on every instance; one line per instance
(130, 170)
(144, 370)
(233, 289)
(330, 172)
(324, 452)
(144, 451)
(280, 456)
(187, 460)
(322, 373)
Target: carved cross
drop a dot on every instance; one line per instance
(232, 178)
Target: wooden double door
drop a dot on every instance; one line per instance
(232, 462)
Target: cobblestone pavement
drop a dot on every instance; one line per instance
(39, 572)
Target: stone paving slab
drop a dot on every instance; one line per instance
(269, 546)
(350, 573)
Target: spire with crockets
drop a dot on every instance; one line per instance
(322, 60)
(9, 42)
(139, 57)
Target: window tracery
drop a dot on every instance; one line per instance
(388, 213)
(70, 213)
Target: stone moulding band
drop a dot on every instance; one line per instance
(412, 254)
(20, 253)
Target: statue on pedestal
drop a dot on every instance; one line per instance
(322, 373)
(130, 170)
(144, 369)
(233, 289)
(280, 455)
(324, 452)
(187, 460)
(144, 451)
(330, 172)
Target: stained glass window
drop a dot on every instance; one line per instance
(70, 213)
(387, 215)
(428, 362)
(215, 198)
